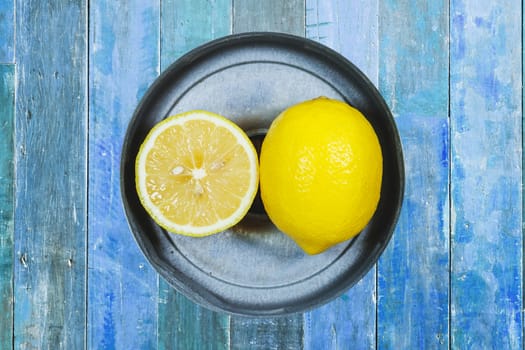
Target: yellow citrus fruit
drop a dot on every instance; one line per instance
(197, 173)
(321, 169)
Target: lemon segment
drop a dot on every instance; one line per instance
(197, 173)
(320, 173)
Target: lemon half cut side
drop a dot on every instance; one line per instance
(196, 173)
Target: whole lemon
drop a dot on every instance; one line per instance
(321, 169)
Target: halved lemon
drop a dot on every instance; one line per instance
(197, 173)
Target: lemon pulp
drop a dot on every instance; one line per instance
(196, 173)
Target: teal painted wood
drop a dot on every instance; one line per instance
(7, 119)
(185, 325)
(280, 332)
(182, 324)
(50, 159)
(267, 333)
(413, 273)
(124, 61)
(187, 24)
(486, 117)
(7, 31)
(269, 15)
(349, 321)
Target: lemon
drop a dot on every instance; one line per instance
(320, 173)
(196, 173)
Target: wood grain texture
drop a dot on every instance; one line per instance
(7, 31)
(413, 287)
(69, 265)
(279, 332)
(487, 241)
(187, 24)
(348, 321)
(267, 334)
(182, 324)
(350, 28)
(269, 15)
(7, 119)
(50, 210)
(124, 51)
(185, 325)
(413, 273)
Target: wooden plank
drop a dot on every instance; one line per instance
(486, 194)
(413, 273)
(347, 322)
(348, 27)
(183, 324)
(7, 118)
(350, 320)
(122, 298)
(187, 24)
(269, 15)
(288, 17)
(267, 333)
(7, 31)
(413, 288)
(50, 210)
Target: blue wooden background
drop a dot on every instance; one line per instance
(71, 74)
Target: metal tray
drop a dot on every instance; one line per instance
(253, 269)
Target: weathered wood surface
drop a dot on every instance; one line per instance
(271, 15)
(71, 74)
(7, 122)
(7, 119)
(413, 285)
(7, 31)
(486, 192)
(51, 173)
(122, 287)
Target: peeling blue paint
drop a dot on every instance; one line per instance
(108, 342)
(413, 271)
(487, 241)
(473, 288)
(124, 41)
(7, 31)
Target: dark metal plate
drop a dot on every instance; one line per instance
(254, 269)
